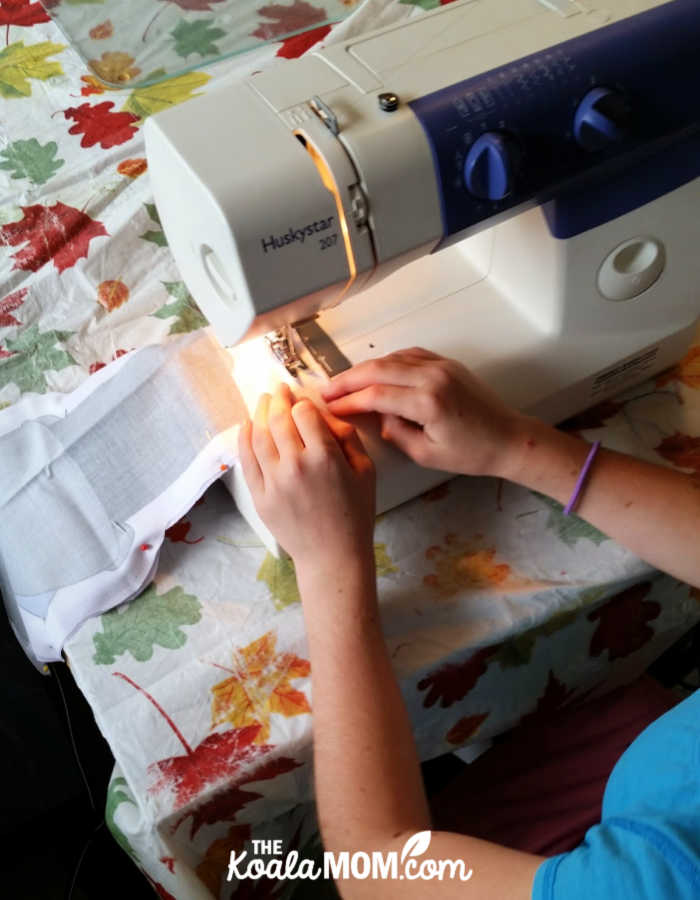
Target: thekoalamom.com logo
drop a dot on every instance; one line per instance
(360, 864)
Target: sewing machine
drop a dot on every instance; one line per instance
(513, 184)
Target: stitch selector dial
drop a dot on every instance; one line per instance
(602, 118)
(489, 169)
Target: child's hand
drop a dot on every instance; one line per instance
(433, 409)
(311, 481)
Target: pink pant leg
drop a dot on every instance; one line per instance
(541, 786)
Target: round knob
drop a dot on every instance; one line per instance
(601, 119)
(489, 168)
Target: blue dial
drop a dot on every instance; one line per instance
(601, 119)
(489, 167)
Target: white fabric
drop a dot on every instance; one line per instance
(81, 523)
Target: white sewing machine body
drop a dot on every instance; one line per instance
(530, 206)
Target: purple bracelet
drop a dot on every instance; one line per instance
(581, 478)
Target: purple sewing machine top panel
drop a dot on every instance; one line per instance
(576, 117)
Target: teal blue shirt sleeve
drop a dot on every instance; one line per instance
(623, 859)
(647, 846)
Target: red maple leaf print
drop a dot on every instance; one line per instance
(57, 232)
(98, 364)
(224, 806)
(21, 12)
(298, 44)
(299, 16)
(595, 417)
(556, 694)
(213, 760)
(622, 622)
(178, 532)
(12, 301)
(681, 450)
(453, 681)
(98, 125)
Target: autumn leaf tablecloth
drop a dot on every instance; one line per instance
(495, 605)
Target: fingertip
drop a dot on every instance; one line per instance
(303, 406)
(285, 390)
(328, 391)
(263, 401)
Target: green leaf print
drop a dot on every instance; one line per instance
(155, 237)
(280, 577)
(424, 4)
(115, 796)
(29, 159)
(518, 650)
(281, 580)
(151, 619)
(183, 309)
(569, 528)
(34, 353)
(196, 37)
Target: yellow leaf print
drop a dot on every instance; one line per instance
(383, 561)
(146, 101)
(115, 67)
(19, 63)
(259, 685)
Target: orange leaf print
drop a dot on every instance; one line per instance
(465, 728)
(260, 685)
(460, 566)
(114, 66)
(112, 294)
(132, 168)
(103, 30)
(682, 451)
(687, 371)
(91, 85)
(213, 866)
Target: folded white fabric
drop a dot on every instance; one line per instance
(90, 481)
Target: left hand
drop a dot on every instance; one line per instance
(311, 480)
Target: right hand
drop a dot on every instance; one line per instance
(433, 409)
